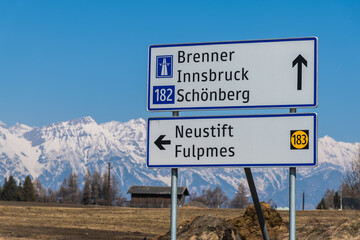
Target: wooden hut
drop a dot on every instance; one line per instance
(350, 204)
(155, 197)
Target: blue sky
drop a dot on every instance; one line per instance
(61, 60)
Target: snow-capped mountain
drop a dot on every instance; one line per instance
(52, 152)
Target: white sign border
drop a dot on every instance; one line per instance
(314, 105)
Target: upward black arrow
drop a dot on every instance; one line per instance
(299, 60)
(160, 142)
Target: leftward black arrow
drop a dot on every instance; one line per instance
(160, 142)
(299, 60)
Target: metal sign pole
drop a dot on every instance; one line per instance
(174, 183)
(303, 205)
(256, 204)
(292, 192)
(292, 198)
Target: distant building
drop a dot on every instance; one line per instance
(350, 203)
(155, 197)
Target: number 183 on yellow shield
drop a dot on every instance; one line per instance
(299, 139)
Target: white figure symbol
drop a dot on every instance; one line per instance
(164, 65)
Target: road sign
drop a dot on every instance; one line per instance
(276, 73)
(281, 140)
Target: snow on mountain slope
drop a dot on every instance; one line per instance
(131, 134)
(16, 153)
(53, 152)
(336, 152)
(19, 129)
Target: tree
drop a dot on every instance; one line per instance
(195, 198)
(351, 183)
(96, 196)
(28, 190)
(20, 193)
(52, 196)
(86, 197)
(207, 196)
(2, 197)
(104, 188)
(213, 198)
(217, 198)
(193, 195)
(73, 191)
(40, 192)
(115, 192)
(241, 199)
(69, 191)
(336, 201)
(321, 204)
(62, 193)
(10, 190)
(329, 198)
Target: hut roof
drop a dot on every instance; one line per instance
(157, 190)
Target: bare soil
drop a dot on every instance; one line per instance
(61, 221)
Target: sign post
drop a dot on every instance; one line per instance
(174, 184)
(253, 74)
(257, 205)
(292, 194)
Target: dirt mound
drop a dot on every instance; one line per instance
(248, 224)
(205, 228)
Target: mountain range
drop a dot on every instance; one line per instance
(52, 152)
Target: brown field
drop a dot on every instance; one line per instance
(54, 221)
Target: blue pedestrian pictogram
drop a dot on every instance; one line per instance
(164, 66)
